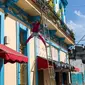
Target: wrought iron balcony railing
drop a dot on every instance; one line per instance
(53, 16)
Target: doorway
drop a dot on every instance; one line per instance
(40, 77)
(65, 78)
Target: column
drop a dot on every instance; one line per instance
(35, 54)
(58, 54)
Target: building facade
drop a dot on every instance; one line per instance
(16, 18)
(77, 60)
(78, 77)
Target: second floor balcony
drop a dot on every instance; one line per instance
(49, 17)
(25, 9)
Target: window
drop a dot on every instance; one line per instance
(63, 57)
(22, 69)
(55, 54)
(49, 52)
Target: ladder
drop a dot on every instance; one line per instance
(49, 57)
(51, 70)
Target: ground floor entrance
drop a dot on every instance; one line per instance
(62, 78)
(44, 78)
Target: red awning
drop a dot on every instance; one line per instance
(42, 63)
(76, 69)
(11, 56)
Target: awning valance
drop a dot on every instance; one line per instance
(10, 55)
(42, 63)
(64, 67)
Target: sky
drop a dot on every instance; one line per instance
(75, 18)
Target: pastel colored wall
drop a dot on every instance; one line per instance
(42, 52)
(32, 63)
(41, 49)
(10, 69)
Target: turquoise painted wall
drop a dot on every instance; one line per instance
(77, 79)
(84, 77)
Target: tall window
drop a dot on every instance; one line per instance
(23, 67)
(63, 56)
(55, 54)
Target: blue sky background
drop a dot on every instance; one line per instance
(75, 17)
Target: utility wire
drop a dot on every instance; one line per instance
(80, 39)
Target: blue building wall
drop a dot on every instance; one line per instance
(77, 78)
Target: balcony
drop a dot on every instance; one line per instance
(55, 18)
(26, 9)
(33, 8)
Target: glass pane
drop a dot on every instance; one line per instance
(63, 56)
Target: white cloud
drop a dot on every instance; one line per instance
(78, 13)
(72, 25)
(78, 27)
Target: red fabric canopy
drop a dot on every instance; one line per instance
(76, 69)
(11, 56)
(42, 63)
